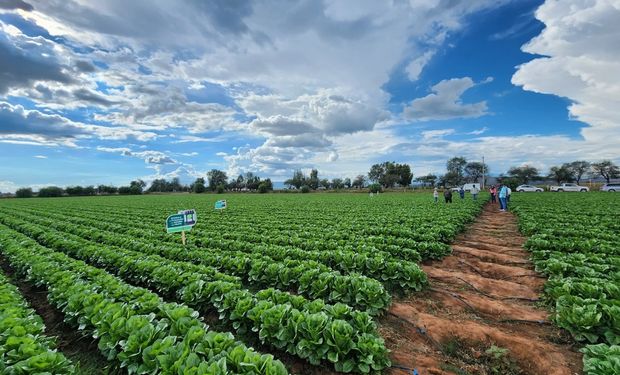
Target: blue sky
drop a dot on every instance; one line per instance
(112, 91)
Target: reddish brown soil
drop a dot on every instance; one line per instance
(484, 294)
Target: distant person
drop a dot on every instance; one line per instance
(503, 192)
(474, 192)
(447, 195)
(493, 191)
(436, 195)
(462, 192)
(508, 192)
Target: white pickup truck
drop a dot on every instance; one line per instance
(569, 187)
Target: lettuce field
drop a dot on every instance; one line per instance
(274, 284)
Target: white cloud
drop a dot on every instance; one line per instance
(580, 63)
(416, 65)
(445, 102)
(40, 157)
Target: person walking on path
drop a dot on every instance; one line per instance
(503, 192)
(447, 194)
(474, 192)
(436, 195)
(493, 191)
(462, 192)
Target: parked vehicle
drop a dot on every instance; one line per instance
(611, 187)
(467, 187)
(529, 188)
(569, 187)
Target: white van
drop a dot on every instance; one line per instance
(468, 187)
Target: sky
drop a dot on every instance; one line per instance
(104, 92)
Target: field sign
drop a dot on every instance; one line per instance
(181, 222)
(220, 205)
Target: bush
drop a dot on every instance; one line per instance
(374, 188)
(263, 187)
(219, 189)
(24, 193)
(305, 189)
(50, 191)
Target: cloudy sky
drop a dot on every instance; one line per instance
(109, 91)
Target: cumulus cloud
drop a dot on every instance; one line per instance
(16, 4)
(19, 125)
(579, 63)
(445, 102)
(416, 65)
(26, 60)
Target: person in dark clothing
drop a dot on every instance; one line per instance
(447, 194)
(462, 192)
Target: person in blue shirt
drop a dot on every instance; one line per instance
(462, 192)
(502, 195)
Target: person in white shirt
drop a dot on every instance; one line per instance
(435, 195)
(474, 192)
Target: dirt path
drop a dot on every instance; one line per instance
(484, 294)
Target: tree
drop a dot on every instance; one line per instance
(265, 186)
(359, 181)
(607, 169)
(50, 191)
(337, 183)
(24, 193)
(104, 189)
(389, 174)
(523, 174)
(578, 169)
(216, 178)
(313, 181)
(428, 180)
(474, 170)
(560, 174)
(374, 188)
(456, 169)
(450, 179)
(325, 183)
(199, 185)
(298, 179)
(347, 183)
(136, 187)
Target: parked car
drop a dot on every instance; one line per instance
(529, 188)
(611, 187)
(569, 187)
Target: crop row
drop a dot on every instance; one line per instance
(309, 278)
(583, 267)
(24, 347)
(393, 273)
(308, 329)
(133, 326)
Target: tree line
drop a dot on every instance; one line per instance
(388, 174)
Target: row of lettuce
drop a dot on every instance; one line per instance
(317, 301)
(574, 240)
(24, 347)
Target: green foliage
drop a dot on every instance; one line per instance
(339, 274)
(305, 189)
(24, 349)
(388, 174)
(24, 193)
(579, 253)
(375, 188)
(50, 191)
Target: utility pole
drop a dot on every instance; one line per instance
(483, 173)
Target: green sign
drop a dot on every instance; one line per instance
(181, 222)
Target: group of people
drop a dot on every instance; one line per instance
(499, 193)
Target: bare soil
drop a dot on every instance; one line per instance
(483, 297)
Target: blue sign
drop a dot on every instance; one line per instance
(220, 205)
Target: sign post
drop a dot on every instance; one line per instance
(181, 222)
(220, 205)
